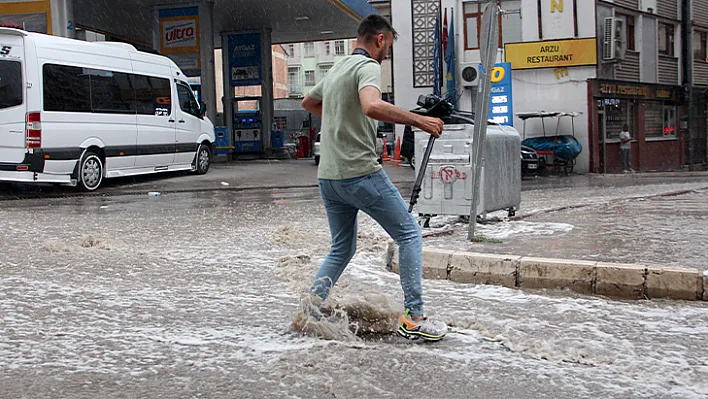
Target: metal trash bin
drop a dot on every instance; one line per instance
(449, 179)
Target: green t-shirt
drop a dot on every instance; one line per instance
(348, 137)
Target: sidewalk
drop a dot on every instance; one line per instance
(635, 241)
(256, 174)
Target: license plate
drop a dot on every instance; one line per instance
(533, 166)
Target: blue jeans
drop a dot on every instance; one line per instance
(376, 196)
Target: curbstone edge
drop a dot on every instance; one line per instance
(478, 268)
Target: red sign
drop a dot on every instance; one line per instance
(449, 175)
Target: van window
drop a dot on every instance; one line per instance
(66, 88)
(187, 102)
(153, 96)
(10, 84)
(111, 92)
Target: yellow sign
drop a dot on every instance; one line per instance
(552, 54)
(556, 5)
(34, 16)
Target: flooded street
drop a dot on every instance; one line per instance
(192, 296)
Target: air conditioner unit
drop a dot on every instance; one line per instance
(615, 39)
(469, 74)
(647, 6)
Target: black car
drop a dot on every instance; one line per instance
(529, 161)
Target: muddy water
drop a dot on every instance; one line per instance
(625, 226)
(194, 296)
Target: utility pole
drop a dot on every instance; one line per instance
(687, 72)
(489, 43)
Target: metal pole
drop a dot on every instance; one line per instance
(488, 53)
(687, 46)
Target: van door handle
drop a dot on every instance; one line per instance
(181, 121)
(171, 121)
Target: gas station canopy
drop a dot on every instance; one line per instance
(290, 21)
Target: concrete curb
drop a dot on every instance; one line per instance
(644, 175)
(613, 280)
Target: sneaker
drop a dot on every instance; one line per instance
(427, 329)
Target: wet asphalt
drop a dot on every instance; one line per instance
(191, 295)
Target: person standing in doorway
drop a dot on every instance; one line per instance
(350, 178)
(626, 149)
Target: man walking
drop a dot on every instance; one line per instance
(350, 178)
(626, 148)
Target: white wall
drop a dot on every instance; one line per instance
(405, 95)
(541, 90)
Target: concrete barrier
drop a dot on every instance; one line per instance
(577, 276)
(620, 280)
(485, 269)
(625, 281)
(436, 263)
(674, 283)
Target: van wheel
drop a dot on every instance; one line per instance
(90, 171)
(203, 160)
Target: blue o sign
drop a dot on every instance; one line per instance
(501, 105)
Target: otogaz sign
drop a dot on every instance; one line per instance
(501, 106)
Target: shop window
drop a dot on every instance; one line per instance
(617, 114)
(669, 121)
(653, 119)
(699, 46)
(666, 39)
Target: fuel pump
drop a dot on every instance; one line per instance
(247, 127)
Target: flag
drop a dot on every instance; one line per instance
(437, 59)
(450, 60)
(444, 32)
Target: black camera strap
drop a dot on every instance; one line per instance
(361, 51)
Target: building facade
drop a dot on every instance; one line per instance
(615, 62)
(309, 62)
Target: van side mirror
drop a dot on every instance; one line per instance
(202, 109)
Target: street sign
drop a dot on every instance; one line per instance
(501, 110)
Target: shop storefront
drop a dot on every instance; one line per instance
(652, 113)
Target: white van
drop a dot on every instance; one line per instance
(74, 112)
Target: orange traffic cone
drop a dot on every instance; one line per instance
(385, 157)
(397, 151)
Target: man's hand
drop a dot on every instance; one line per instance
(374, 107)
(434, 126)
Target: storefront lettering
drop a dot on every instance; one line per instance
(552, 54)
(663, 93)
(635, 91)
(539, 59)
(556, 5)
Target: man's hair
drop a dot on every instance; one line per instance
(372, 26)
(625, 127)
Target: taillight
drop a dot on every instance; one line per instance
(33, 130)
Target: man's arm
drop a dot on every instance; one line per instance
(312, 106)
(374, 107)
